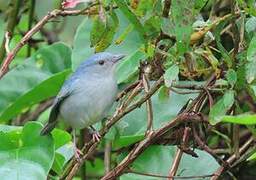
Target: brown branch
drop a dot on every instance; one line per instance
(174, 177)
(232, 158)
(89, 148)
(166, 10)
(179, 153)
(107, 156)
(142, 145)
(53, 14)
(145, 81)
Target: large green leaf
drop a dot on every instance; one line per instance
(251, 65)
(129, 66)
(158, 159)
(132, 18)
(220, 108)
(136, 121)
(25, 154)
(245, 119)
(64, 149)
(38, 78)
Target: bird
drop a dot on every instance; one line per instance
(87, 96)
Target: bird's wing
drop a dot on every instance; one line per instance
(64, 93)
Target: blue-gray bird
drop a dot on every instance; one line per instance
(87, 96)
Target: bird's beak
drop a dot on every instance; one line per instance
(118, 57)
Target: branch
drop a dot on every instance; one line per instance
(178, 155)
(89, 148)
(174, 177)
(53, 14)
(232, 158)
(150, 139)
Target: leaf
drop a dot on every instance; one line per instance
(250, 25)
(109, 32)
(250, 73)
(159, 163)
(171, 75)
(163, 112)
(251, 54)
(37, 79)
(220, 108)
(231, 77)
(252, 157)
(97, 31)
(164, 94)
(129, 66)
(244, 119)
(132, 18)
(26, 155)
(183, 15)
(82, 49)
(223, 51)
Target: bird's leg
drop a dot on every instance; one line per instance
(95, 134)
(77, 152)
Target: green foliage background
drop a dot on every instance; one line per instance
(141, 30)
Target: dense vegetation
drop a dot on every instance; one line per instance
(187, 99)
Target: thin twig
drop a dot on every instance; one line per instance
(175, 177)
(89, 148)
(232, 158)
(53, 14)
(142, 145)
(107, 156)
(7, 41)
(146, 85)
(178, 155)
(30, 22)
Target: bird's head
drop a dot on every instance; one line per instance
(103, 62)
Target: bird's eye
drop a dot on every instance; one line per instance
(101, 62)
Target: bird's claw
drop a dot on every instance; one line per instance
(78, 154)
(96, 136)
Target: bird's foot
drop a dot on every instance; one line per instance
(149, 132)
(96, 136)
(78, 154)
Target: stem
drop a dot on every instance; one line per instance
(12, 22)
(30, 22)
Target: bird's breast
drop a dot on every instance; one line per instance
(89, 102)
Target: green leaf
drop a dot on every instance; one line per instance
(252, 157)
(244, 119)
(231, 77)
(164, 94)
(250, 25)
(109, 32)
(37, 79)
(250, 72)
(132, 18)
(97, 31)
(171, 75)
(163, 112)
(219, 109)
(251, 57)
(82, 49)
(223, 51)
(183, 15)
(156, 163)
(26, 155)
(129, 66)
(62, 156)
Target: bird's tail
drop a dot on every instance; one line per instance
(48, 128)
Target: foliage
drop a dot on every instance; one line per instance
(204, 50)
